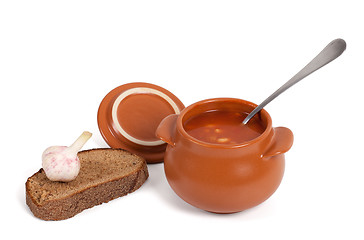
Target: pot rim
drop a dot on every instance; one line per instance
(183, 132)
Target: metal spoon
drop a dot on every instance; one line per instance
(329, 53)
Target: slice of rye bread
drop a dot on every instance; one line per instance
(105, 174)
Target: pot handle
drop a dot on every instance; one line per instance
(166, 129)
(282, 141)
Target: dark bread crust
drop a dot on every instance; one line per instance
(63, 208)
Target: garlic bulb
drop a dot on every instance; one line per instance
(60, 163)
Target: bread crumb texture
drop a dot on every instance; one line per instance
(105, 174)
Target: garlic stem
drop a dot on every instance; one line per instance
(80, 141)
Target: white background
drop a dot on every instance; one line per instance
(58, 59)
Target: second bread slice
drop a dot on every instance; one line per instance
(105, 174)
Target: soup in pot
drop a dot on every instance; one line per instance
(223, 127)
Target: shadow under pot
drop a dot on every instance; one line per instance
(216, 163)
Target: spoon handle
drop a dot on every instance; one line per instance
(329, 53)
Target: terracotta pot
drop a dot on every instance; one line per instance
(129, 115)
(223, 178)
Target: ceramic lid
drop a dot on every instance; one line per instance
(129, 115)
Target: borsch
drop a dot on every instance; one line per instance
(222, 127)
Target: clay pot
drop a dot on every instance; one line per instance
(129, 115)
(223, 178)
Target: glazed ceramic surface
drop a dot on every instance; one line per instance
(129, 115)
(223, 178)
